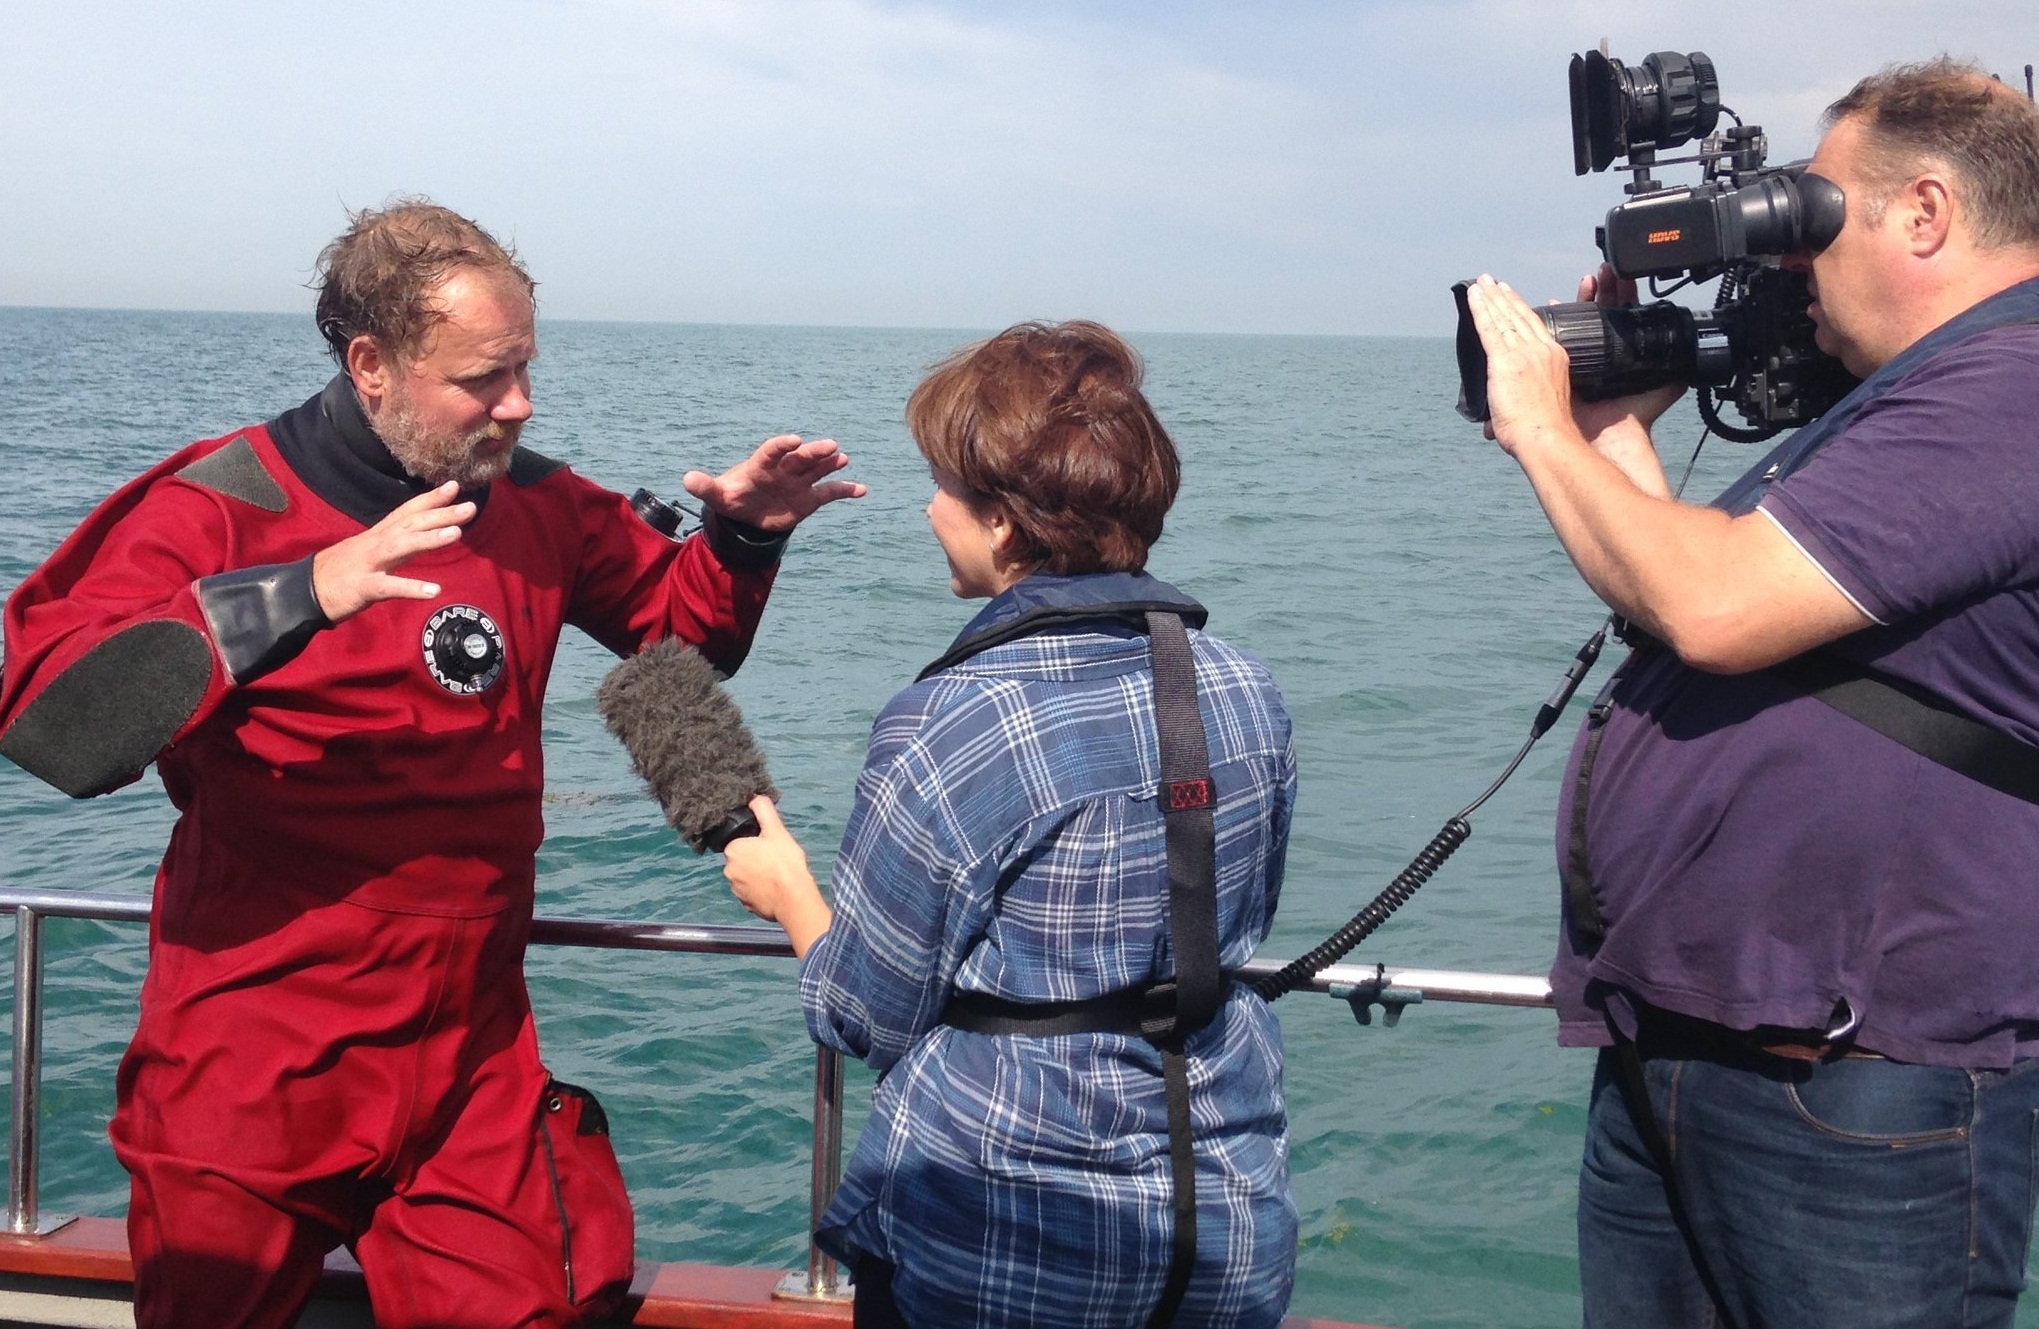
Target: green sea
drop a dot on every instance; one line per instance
(1340, 521)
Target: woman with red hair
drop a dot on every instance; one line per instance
(1065, 836)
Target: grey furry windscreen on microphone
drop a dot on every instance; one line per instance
(688, 740)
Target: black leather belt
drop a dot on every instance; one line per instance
(1667, 1033)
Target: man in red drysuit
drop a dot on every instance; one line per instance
(332, 633)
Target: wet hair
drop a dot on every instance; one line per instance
(1951, 114)
(1047, 421)
(378, 278)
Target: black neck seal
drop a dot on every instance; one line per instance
(334, 450)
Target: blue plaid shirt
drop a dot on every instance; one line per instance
(1006, 839)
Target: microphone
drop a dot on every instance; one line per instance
(689, 742)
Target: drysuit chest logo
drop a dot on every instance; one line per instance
(463, 649)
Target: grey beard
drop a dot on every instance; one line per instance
(435, 458)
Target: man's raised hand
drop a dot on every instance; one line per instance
(1529, 387)
(779, 485)
(356, 573)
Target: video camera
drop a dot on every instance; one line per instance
(1754, 348)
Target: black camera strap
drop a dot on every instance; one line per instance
(1589, 923)
(1575, 871)
(1902, 711)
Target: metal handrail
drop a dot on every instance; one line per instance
(1362, 985)
(26, 1099)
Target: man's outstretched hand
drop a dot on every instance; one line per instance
(779, 485)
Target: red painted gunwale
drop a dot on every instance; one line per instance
(669, 1296)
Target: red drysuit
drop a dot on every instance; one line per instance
(335, 1042)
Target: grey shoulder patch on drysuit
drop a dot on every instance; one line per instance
(237, 472)
(528, 467)
(103, 720)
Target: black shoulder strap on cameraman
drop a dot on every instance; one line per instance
(1904, 712)
(1917, 719)
(1165, 1013)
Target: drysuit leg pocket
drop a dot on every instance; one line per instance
(598, 1232)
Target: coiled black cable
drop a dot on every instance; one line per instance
(1431, 857)
(1454, 832)
(1334, 947)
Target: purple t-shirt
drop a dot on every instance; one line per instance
(1760, 857)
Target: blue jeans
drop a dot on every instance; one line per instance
(1843, 1194)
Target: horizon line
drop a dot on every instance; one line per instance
(959, 328)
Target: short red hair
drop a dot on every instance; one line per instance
(1047, 421)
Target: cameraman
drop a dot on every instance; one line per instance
(1809, 951)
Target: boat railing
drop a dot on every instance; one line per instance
(1363, 986)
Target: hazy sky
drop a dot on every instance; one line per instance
(1271, 167)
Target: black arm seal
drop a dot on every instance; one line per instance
(741, 546)
(261, 617)
(103, 720)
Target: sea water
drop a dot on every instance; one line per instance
(1338, 519)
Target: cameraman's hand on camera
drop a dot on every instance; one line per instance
(1619, 428)
(1529, 385)
(1529, 388)
(1528, 371)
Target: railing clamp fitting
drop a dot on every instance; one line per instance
(1364, 995)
